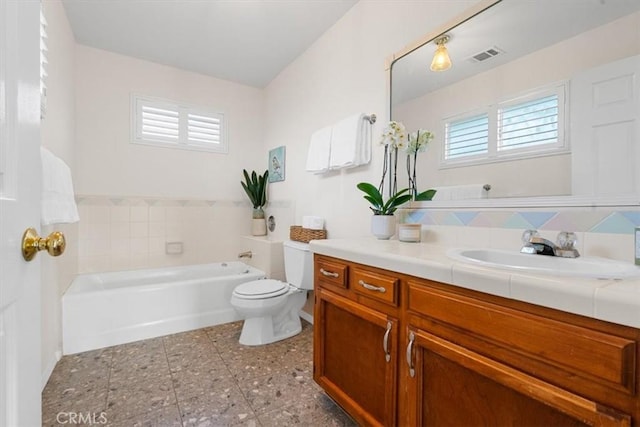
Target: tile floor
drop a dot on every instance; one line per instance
(198, 378)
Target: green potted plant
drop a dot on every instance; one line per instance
(256, 188)
(383, 222)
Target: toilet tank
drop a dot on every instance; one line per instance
(298, 264)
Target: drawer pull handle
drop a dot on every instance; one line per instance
(366, 285)
(412, 371)
(328, 273)
(385, 342)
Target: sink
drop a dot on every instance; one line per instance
(592, 267)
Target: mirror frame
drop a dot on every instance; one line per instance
(516, 202)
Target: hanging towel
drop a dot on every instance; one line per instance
(319, 151)
(350, 143)
(58, 200)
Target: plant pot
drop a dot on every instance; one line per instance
(383, 226)
(258, 227)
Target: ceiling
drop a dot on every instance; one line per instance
(246, 41)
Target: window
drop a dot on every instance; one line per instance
(170, 124)
(527, 126)
(467, 137)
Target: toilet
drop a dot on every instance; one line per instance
(271, 307)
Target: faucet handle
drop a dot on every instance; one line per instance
(566, 240)
(527, 235)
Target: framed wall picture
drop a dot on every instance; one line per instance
(276, 164)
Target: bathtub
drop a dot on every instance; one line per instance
(105, 309)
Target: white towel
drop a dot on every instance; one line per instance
(319, 151)
(58, 200)
(349, 142)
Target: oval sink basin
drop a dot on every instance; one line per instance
(592, 267)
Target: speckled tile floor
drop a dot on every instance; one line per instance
(198, 378)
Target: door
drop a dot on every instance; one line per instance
(355, 358)
(20, 189)
(605, 126)
(451, 385)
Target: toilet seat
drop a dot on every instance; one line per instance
(261, 289)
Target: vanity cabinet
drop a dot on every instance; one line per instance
(458, 357)
(356, 343)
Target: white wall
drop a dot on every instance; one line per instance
(108, 164)
(57, 133)
(341, 74)
(134, 197)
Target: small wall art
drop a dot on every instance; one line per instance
(276, 164)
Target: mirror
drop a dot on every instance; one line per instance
(511, 50)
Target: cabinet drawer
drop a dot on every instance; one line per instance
(607, 358)
(332, 273)
(375, 285)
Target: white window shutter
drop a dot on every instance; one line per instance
(467, 137)
(528, 124)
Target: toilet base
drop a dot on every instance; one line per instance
(260, 330)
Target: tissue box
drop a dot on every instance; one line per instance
(300, 234)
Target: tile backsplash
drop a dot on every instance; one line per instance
(601, 231)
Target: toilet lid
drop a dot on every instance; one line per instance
(261, 289)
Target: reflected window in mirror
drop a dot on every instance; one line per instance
(525, 126)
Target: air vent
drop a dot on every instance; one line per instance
(486, 54)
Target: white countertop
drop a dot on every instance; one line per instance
(616, 300)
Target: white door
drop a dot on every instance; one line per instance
(605, 127)
(20, 189)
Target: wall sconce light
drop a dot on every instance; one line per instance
(441, 60)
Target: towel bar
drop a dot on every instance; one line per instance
(371, 118)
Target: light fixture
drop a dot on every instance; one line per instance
(441, 60)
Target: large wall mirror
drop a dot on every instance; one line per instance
(541, 102)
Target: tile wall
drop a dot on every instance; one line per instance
(606, 232)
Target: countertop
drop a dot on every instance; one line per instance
(613, 300)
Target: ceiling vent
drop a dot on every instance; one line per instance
(486, 54)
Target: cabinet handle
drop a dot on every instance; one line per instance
(328, 273)
(412, 371)
(366, 285)
(385, 342)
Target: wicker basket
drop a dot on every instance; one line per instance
(299, 234)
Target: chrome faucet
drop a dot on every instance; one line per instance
(246, 254)
(564, 246)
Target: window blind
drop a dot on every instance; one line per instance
(528, 124)
(467, 137)
(169, 124)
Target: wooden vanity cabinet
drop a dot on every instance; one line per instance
(509, 363)
(460, 357)
(356, 343)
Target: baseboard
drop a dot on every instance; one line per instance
(48, 370)
(306, 316)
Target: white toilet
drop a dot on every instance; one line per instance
(270, 307)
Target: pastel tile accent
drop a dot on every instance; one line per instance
(562, 221)
(614, 223)
(537, 219)
(481, 220)
(466, 216)
(517, 221)
(633, 216)
(586, 220)
(451, 219)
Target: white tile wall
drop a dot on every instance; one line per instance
(131, 233)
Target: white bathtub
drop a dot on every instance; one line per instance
(104, 309)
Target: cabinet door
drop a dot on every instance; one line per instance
(455, 386)
(355, 358)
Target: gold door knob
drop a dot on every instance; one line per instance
(54, 244)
